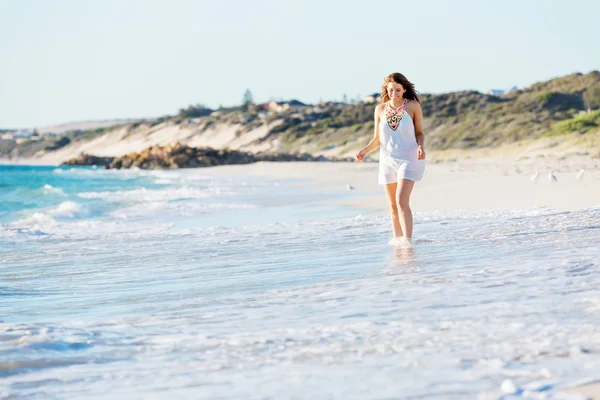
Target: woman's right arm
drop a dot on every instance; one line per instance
(374, 143)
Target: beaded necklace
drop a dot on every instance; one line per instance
(394, 116)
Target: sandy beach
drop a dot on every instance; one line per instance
(589, 391)
(473, 184)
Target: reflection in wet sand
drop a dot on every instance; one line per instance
(401, 260)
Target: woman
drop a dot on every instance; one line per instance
(399, 136)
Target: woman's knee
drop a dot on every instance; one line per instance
(403, 205)
(394, 209)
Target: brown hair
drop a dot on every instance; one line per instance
(397, 77)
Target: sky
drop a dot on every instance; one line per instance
(79, 60)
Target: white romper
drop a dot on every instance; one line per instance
(398, 151)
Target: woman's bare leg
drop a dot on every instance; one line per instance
(390, 191)
(403, 192)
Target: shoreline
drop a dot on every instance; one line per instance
(473, 184)
(28, 161)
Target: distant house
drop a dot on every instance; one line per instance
(331, 104)
(371, 98)
(297, 115)
(263, 106)
(23, 133)
(501, 92)
(281, 106)
(324, 105)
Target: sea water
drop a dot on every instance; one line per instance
(182, 284)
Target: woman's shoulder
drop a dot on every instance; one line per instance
(412, 105)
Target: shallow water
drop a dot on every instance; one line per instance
(138, 284)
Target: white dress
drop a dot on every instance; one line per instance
(398, 151)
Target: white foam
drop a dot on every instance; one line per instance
(69, 228)
(46, 222)
(132, 173)
(247, 300)
(68, 209)
(149, 195)
(176, 209)
(35, 221)
(400, 242)
(49, 189)
(495, 214)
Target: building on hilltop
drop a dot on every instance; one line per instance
(371, 98)
(23, 133)
(501, 92)
(281, 106)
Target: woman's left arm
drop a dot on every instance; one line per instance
(418, 120)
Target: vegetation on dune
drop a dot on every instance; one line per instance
(574, 83)
(29, 147)
(582, 124)
(466, 119)
(591, 98)
(351, 119)
(470, 119)
(91, 133)
(194, 111)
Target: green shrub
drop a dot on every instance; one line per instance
(199, 110)
(57, 143)
(582, 124)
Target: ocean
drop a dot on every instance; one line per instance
(182, 284)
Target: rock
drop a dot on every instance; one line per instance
(176, 155)
(127, 163)
(88, 159)
(181, 160)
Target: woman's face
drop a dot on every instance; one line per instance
(395, 90)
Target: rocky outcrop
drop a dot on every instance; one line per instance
(176, 155)
(88, 159)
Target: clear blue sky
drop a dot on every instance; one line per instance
(73, 60)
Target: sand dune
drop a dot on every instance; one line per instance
(127, 139)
